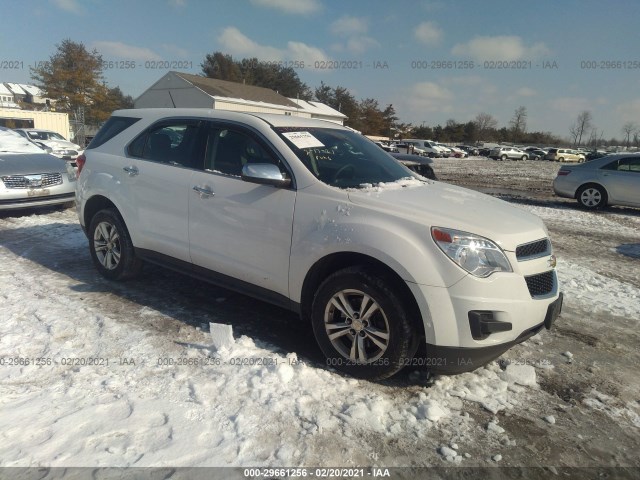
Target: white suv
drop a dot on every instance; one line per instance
(316, 218)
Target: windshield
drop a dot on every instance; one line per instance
(40, 135)
(342, 158)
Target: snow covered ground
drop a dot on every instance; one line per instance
(126, 374)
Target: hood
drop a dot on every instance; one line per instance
(436, 204)
(60, 144)
(30, 163)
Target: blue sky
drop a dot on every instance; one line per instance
(403, 36)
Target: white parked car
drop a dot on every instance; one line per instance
(30, 177)
(316, 218)
(60, 146)
(428, 147)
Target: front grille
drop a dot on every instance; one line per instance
(539, 248)
(27, 181)
(541, 284)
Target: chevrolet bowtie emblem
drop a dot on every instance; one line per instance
(33, 180)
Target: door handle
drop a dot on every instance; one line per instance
(204, 191)
(131, 170)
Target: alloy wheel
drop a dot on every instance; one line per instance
(356, 326)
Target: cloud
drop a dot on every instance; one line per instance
(570, 105)
(526, 92)
(431, 97)
(176, 51)
(354, 29)
(361, 44)
(346, 26)
(428, 33)
(294, 7)
(122, 50)
(629, 111)
(71, 6)
(237, 43)
(303, 52)
(502, 47)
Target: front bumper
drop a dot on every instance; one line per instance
(476, 320)
(453, 360)
(32, 202)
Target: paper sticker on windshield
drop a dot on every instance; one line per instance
(303, 139)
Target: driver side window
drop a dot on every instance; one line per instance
(229, 150)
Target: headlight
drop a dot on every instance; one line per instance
(477, 255)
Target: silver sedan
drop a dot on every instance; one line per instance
(610, 180)
(29, 177)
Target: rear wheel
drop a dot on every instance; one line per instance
(361, 325)
(592, 196)
(503, 158)
(111, 248)
(524, 157)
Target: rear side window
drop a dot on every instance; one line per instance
(175, 142)
(113, 127)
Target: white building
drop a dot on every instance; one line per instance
(6, 98)
(320, 111)
(177, 89)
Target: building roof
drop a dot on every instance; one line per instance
(317, 108)
(15, 88)
(4, 90)
(234, 90)
(31, 90)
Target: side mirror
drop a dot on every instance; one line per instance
(264, 174)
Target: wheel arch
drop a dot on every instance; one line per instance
(341, 260)
(94, 205)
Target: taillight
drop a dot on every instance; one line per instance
(562, 172)
(80, 161)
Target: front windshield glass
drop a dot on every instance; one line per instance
(39, 135)
(342, 158)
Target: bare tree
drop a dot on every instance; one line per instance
(485, 122)
(581, 125)
(518, 122)
(628, 129)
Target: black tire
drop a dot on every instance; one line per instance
(111, 248)
(362, 331)
(592, 197)
(524, 157)
(503, 158)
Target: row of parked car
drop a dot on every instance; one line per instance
(535, 153)
(432, 149)
(428, 148)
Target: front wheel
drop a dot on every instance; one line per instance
(503, 158)
(111, 248)
(361, 325)
(592, 197)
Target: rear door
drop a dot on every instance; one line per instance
(236, 228)
(622, 181)
(162, 161)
